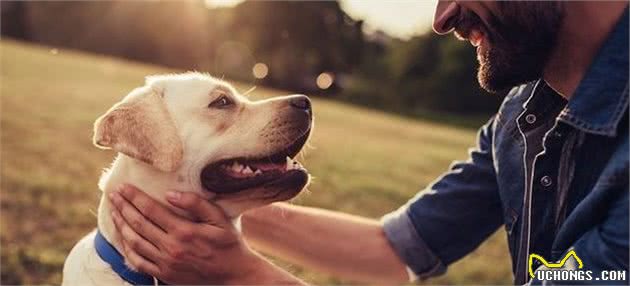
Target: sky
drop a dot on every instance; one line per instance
(399, 18)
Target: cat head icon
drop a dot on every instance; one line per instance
(570, 261)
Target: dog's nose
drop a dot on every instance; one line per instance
(301, 102)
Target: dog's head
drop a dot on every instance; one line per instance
(237, 152)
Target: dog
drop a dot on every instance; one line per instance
(192, 132)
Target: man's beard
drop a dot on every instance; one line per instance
(517, 46)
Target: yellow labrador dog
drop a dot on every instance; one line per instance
(191, 132)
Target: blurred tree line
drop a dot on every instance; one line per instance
(294, 41)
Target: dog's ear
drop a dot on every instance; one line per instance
(140, 126)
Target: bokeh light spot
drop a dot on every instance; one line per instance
(325, 80)
(260, 70)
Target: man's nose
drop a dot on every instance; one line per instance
(445, 17)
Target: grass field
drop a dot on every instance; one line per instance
(364, 162)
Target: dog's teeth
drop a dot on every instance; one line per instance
(236, 167)
(247, 170)
(257, 172)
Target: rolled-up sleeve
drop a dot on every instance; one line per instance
(452, 216)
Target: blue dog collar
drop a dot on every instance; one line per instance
(109, 254)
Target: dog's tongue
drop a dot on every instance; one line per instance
(444, 18)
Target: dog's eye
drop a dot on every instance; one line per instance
(221, 102)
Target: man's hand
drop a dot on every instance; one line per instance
(177, 250)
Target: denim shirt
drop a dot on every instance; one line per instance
(569, 194)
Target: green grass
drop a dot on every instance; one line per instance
(365, 162)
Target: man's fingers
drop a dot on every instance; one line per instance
(140, 263)
(150, 209)
(198, 207)
(138, 222)
(135, 241)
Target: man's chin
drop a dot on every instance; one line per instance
(486, 81)
(494, 84)
(489, 78)
(496, 75)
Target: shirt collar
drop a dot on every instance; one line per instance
(601, 98)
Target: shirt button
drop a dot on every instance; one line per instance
(530, 118)
(545, 181)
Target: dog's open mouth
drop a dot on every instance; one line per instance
(274, 170)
